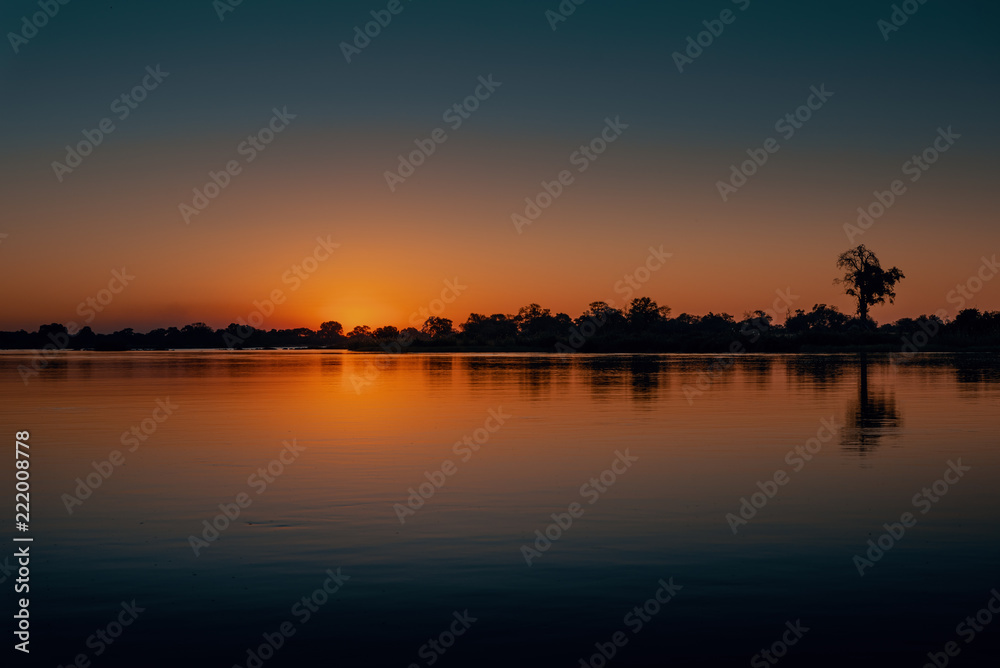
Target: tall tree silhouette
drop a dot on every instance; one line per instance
(866, 280)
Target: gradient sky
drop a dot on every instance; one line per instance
(324, 175)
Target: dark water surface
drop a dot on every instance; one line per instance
(697, 439)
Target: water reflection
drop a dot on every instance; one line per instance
(974, 369)
(438, 371)
(645, 374)
(374, 425)
(872, 416)
(602, 375)
(818, 371)
(536, 374)
(758, 369)
(641, 376)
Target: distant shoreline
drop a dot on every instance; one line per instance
(448, 350)
(645, 328)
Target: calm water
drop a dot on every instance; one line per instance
(370, 434)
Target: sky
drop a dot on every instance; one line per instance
(393, 245)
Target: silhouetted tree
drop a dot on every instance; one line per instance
(386, 333)
(54, 333)
(822, 317)
(968, 320)
(195, 335)
(610, 320)
(866, 281)
(437, 328)
(331, 330)
(85, 338)
(125, 337)
(409, 334)
(643, 313)
(755, 323)
(497, 328)
(195, 328)
(535, 322)
(603, 311)
(360, 332)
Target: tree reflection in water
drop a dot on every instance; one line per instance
(870, 417)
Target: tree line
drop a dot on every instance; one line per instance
(641, 326)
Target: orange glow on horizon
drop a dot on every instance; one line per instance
(396, 250)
